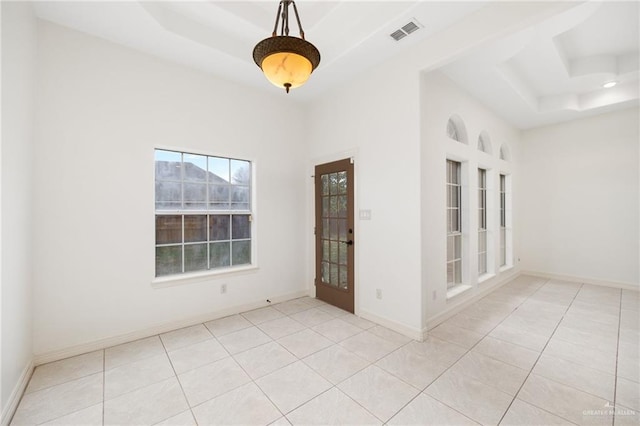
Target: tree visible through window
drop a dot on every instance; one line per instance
(203, 212)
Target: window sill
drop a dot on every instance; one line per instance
(485, 277)
(196, 277)
(457, 290)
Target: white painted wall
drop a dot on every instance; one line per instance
(378, 116)
(580, 215)
(101, 111)
(441, 98)
(375, 117)
(18, 70)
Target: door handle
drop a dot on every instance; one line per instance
(349, 243)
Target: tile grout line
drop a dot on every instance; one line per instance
(312, 369)
(470, 349)
(615, 377)
(104, 379)
(178, 379)
(458, 359)
(538, 358)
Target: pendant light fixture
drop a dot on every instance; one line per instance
(285, 60)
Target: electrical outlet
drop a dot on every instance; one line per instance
(379, 293)
(223, 288)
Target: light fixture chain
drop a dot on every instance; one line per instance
(285, 18)
(295, 9)
(275, 27)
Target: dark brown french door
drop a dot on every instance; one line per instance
(335, 240)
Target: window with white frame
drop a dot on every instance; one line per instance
(482, 221)
(456, 129)
(503, 220)
(203, 216)
(454, 224)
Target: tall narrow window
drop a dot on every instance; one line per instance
(203, 212)
(482, 221)
(454, 224)
(503, 220)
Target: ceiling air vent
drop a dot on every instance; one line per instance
(406, 29)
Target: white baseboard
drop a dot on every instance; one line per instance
(95, 345)
(14, 399)
(411, 332)
(585, 280)
(437, 319)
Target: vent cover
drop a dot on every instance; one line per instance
(406, 29)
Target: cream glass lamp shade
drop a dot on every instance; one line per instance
(286, 69)
(286, 61)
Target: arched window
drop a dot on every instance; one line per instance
(484, 143)
(456, 129)
(504, 152)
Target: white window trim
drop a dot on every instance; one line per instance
(485, 277)
(461, 233)
(201, 276)
(166, 281)
(457, 290)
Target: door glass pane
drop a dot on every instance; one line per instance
(343, 284)
(325, 228)
(168, 229)
(342, 183)
(342, 253)
(333, 206)
(325, 250)
(342, 229)
(325, 184)
(168, 260)
(333, 183)
(220, 254)
(325, 206)
(333, 256)
(195, 229)
(342, 206)
(333, 229)
(334, 275)
(195, 257)
(325, 272)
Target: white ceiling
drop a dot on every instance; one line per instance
(555, 71)
(551, 73)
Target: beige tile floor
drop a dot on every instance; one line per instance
(533, 352)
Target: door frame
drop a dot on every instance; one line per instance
(311, 220)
